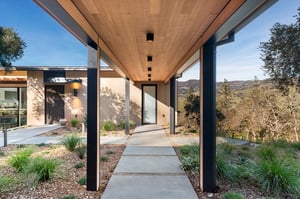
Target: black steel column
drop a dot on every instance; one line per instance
(93, 118)
(127, 105)
(172, 104)
(208, 116)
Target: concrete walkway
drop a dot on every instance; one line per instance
(149, 169)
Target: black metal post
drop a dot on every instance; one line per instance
(127, 106)
(5, 136)
(208, 116)
(172, 104)
(93, 139)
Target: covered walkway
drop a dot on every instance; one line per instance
(149, 168)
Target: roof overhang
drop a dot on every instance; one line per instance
(180, 27)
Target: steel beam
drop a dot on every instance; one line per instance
(127, 105)
(172, 104)
(93, 118)
(208, 116)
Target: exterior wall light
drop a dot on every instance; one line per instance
(76, 85)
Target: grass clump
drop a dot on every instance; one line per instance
(108, 125)
(70, 142)
(122, 124)
(74, 122)
(232, 195)
(41, 169)
(5, 183)
(82, 181)
(190, 158)
(110, 152)
(2, 153)
(81, 150)
(103, 159)
(41, 145)
(69, 197)
(20, 160)
(79, 165)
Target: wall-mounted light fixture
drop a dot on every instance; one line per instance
(76, 85)
(149, 37)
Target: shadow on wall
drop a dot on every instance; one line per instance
(38, 97)
(113, 107)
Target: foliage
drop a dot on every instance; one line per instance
(74, 122)
(43, 169)
(103, 159)
(70, 142)
(41, 145)
(82, 181)
(81, 151)
(232, 195)
(2, 153)
(20, 160)
(11, 46)
(190, 158)
(110, 152)
(79, 165)
(122, 124)
(5, 182)
(69, 197)
(192, 109)
(278, 177)
(108, 125)
(280, 54)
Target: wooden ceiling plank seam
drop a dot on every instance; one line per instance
(220, 19)
(76, 14)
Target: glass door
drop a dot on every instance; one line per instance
(149, 104)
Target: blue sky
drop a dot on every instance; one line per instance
(49, 44)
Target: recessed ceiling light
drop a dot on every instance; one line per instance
(149, 58)
(149, 69)
(149, 75)
(150, 37)
(149, 79)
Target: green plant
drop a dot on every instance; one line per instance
(54, 133)
(296, 145)
(190, 149)
(20, 159)
(82, 181)
(122, 124)
(20, 146)
(69, 197)
(70, 142)
(232, 195)
(41, 168)
(266, 153)
(74, 122)
(103, 159)
(110, 152)
(278, 176)
(2, 153)
(5, 183)
(108, 125)
(41, 145)
(226, 148)
(79, 165)
(81, 151)
(190, 163)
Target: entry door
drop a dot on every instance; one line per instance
(149, 104)
(55, 105)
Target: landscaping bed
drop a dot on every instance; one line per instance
(69, 173)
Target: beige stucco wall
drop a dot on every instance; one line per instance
(35, 98)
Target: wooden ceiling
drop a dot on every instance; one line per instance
(180, 28)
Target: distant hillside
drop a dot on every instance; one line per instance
(184, 86)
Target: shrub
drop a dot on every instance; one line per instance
(70, 142)
(296, 145)
(190, 149)
(42, 169)
(108, 125)
(122, 124)
(266, 153)
(278, 176)
(81, 151)
(20, 159)
(79, 165)
(41, 145)
(82, 181)
(69, 197)
(190, 163)
(226, 148)
(74, 122)
(232, 195)
(103, 159)
(2, 153)
(5, 183)
(110, 152)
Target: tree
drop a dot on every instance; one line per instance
(280, 54)
(192, 108)
(11, 46)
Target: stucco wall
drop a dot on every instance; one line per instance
(35, 98)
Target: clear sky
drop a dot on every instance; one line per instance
(49, 44)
